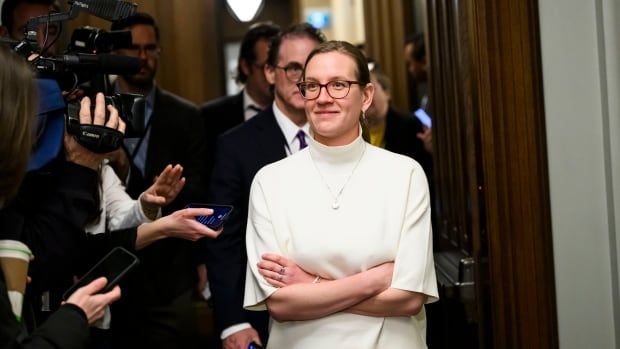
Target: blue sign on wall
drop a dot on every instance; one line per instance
(319, 19)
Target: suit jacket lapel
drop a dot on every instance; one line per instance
(157, 136)
(238, 105)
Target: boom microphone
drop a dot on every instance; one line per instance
(111, 10)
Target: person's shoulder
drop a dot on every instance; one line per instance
(222, 103)
(253, 126)
(167, 98)
(403, 121)
(390, 160)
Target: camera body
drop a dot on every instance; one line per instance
(101, 139)
(95, 40)
(131, 107)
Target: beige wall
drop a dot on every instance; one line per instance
(582, 93)
(347, 21)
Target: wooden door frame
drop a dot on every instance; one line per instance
(512, 242)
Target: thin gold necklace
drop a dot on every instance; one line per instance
(336, 198)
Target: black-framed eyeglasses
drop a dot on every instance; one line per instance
(336, 89)
(293, 71)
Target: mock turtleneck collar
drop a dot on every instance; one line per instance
(342, 154)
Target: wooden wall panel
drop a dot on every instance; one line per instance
(386, 25)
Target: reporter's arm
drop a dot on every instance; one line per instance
(179, 224)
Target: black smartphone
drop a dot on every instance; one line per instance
(254, 346)
(116, 264)
(217, 219)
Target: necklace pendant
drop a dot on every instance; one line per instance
(335, 205)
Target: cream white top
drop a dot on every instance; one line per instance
(118, 209)
(384, 216)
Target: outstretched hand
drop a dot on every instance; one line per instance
(182, 224)
(165, 188)
(280, 271)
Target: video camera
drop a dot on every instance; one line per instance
(85, 65)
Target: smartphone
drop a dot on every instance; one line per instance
(217, 219)
(424, 118)
(116, 264)
(254, 346)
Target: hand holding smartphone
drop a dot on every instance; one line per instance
(116, 264)
(221, 213)
(424, 118)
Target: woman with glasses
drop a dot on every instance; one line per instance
(345, 259)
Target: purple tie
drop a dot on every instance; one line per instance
(301, 135)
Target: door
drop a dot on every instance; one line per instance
(493, 235)
(492, 229)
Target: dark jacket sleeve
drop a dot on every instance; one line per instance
(226, 256)
(67, 328)
(49, 213)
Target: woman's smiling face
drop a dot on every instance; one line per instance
(335, 121)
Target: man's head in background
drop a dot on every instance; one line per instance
(287, 57)
(252, 59)
(145, 45)
(16, 13)
(415, 56)
(377, 112)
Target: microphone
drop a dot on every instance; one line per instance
(9, 42)
(111, 10)
(101, 63)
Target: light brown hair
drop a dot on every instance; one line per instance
(17, 112)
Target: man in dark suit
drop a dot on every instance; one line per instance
(156, 311)
(240, 153)
(227, 112)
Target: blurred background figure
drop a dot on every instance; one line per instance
(15, 15)
(415, 57)
(226, 112)
(392, 130)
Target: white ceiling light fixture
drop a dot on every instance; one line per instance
(244, 10)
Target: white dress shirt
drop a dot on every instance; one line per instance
(290, 129)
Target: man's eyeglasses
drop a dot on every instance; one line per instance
(336, 89)
(150, 50)
(293, 71)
